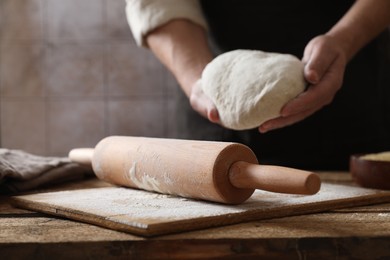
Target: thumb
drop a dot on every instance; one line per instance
(212, 114)
(211, 110)
(311, 75)
(316, 66)
(201, 103)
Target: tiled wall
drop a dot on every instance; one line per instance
(71, 74)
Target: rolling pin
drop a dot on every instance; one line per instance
(215, 171)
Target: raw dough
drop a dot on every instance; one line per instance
(249, 87)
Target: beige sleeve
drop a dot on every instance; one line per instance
(144, 16)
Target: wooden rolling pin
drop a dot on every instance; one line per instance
(216, 171)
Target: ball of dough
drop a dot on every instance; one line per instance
(249, 87)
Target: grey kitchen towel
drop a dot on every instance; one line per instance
(22, 171)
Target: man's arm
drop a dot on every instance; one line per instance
(175, 31)
(363, 22)
(183, 48)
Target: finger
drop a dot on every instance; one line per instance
(308, 50)
(313, 98)
(305, 61)
(317, 96)
(202, 104)
(197, 100)
(197, 106)
(211, 109)
(284, 121)
(212, 114)
(318, 64)
(311, 75)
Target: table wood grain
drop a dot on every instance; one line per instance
(358, 233)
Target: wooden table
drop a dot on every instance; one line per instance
(358, 233)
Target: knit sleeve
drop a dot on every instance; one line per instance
(144, 16)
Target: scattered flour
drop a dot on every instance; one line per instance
(147, 182)
(139, 208)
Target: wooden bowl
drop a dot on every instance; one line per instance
(370, 173)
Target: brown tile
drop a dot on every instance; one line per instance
(75, 69)
(1, 20)
(172, 86)
(134, 71)
(137, 117)
(74, 124)
(21, 20)
(21, 70)
(76, 21)
(23, 125)
(172, 111)
(118, 27)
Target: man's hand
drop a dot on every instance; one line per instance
(325, 62)
(326, 56)
(202, 104)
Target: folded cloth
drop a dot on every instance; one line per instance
(21, 171)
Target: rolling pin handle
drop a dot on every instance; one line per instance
(82, 156)
(273, 178)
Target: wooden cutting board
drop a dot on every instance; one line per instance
(148, 214)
